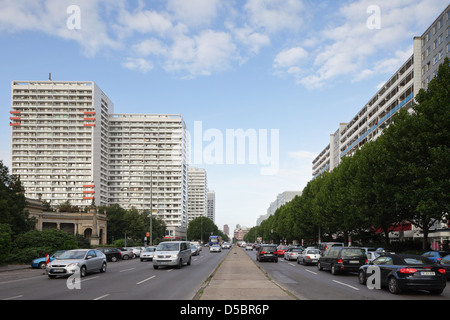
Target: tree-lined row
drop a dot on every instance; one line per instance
(401, 177)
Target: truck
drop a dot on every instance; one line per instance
(215, 240)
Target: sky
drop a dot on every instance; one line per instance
(284, 73)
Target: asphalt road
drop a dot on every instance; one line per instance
(308, 283)
(123, 280)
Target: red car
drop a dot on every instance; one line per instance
(281, 250)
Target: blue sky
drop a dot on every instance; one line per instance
(296, 66)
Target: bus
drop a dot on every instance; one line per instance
(215, 240)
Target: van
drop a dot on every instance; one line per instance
(172, 253)
(324, 246)
(342, 259)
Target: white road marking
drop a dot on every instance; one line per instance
(347, 285)
(12, 298)
(311, 271)
(140, 282)
(125, 270)
(101, 297)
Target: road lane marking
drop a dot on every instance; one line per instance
(140, 282)
(347, 285)
(291, 264)
(310, 271)
(101, 297)
(12, 298)
(125, 270)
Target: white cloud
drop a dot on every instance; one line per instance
(290, 57)
(194, 13)
(275, 15)
(138, 64)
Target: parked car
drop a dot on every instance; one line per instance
(292, 253)
(136, 251)
(436, 256)
(87, 260)
(112, 254)
(445, 263)
(147, 254)
(267, 252)
(249, 246)
(126, 253)
(309, 256)
(401, 271)
(40, 263)
(342, 259)
(194, 250)
(172, 253)
(281, 250)
(215, 248)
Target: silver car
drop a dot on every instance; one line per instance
(147, 254)
(84, 260)
(309, 256)
(292, 253)
(174, 253)
(215, 248)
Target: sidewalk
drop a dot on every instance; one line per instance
(239, 278)
(14, 267)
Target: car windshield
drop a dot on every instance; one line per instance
(68, 255)
(215, 245)
(446, 260)
(416, 260)
(168, 247)
(296, 250)
(149, 249)
(312, 252)
(352, 252)
(268, 248)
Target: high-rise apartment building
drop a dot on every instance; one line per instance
(148, 166)
(211, 205)
(197, 188)
(59, 140)
(398, 92)
(67, 144)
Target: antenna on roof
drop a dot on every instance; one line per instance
(49, 76)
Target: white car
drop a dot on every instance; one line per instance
(147, 254)
(215, 248)
(226, 245)
(309, 256)
(249, 246)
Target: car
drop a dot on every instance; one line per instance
(400, 272)
(435, 256)
(215, 248)
(112, 254)
(194, 250)
(342, 259)
(267, 252)
(172, 253)
(372, 255)
(292, 253)
(226, 245)
(126, 253)
(147, 254)
(324, 246)
(70, 262)
(40, 263)
(445, 263)
(249, 246)
(281, 250)
(198, 244)
(309, 256)
(137, 251)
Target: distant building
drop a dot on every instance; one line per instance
(197, 189)
(211, 206)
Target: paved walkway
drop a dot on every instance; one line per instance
(239, 278)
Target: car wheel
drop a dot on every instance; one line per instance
(83, 271)
(113, 259)
(393, 286)
(189, 262)
(436, 292)
(42, 265)
(155, 267)
(180, 264)
(334, 271)
(103, 268)
(126, 257)
(362, 277)
(319, 266)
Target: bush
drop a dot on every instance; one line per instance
(5, 242)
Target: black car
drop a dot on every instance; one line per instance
(267, 253)
(401, 272)
(445, 262)
(112, 254)
(342, 259)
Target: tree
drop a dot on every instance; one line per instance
(201, 228)
(13, 203)
(419, 144)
